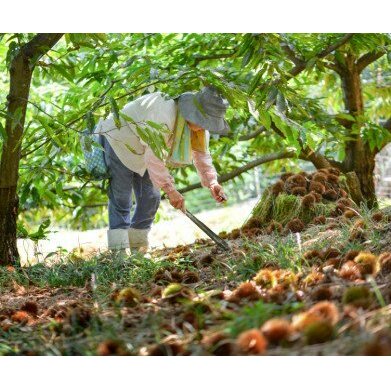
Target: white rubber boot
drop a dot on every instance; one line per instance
(117, 239)
(138, 239)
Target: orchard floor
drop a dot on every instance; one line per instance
(197, 300)
(173, 230)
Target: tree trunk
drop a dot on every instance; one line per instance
(358, 156)
(21, 70)
(20, 78)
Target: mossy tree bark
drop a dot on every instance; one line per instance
(359, 158)
(21, 70)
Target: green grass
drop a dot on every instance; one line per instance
(105, 268)
(255, 315)
(112, 271)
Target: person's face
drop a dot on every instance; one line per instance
(194, 127)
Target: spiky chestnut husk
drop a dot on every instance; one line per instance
(318, 197)
(335, 262)
(302, 320)
(380, 345)
(285, 277)
(207, 259)
(345, 201)
(295, 225)
(79, 317)
(155, 291)
(308, 201)
(319, 332)
(171, 290)
(22, 317)
(326, 310)
(320, 177)
(31, 307)
(246, 290)
(176, 276)
(111, 347)
(317, 187)
(351, 254)
(299, 191)
(181, 248)
(252, 342)
(377, 217)
(223, 234)
(385, 263)
(334, 213)
(278, 187)
(334, 171)
(190, 277)
(360, 224)
(350, 271)
(235, 234)
(350, 213)
(343, 193)
(253, 222)
(357, 234)
(297, 181)
(276, 330)
(321, 293)
(331, 178)
(274, 226)
(285, 176)
(331, 252)
(332, 225)
(319, 220)
(368, 263)
(158, 277)
(265, 278)
(313, 278)
(166, 349)
(330, 195)
(252, 232)
(218, 344)
(340, 208)
(129, 297)
(359, 296)
(311, 254)
(276, 295)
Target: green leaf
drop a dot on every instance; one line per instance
(115, 111)
(90, 122)
(160, 127)
(3, 133)
(254, 83)
(130, 148)
(348, 117)
(16, 118)
(265, 119)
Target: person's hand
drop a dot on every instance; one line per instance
(176, 200)
(218, 193)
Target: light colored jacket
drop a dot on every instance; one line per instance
(137, 155)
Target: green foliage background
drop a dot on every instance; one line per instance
(87, 76)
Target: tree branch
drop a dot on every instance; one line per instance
(291, 53)
(367, 59)
(325, 52)
(234, 173)
(335, 67)
(252, 135)
(39, 45)
(318, 160)
(216, 56)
